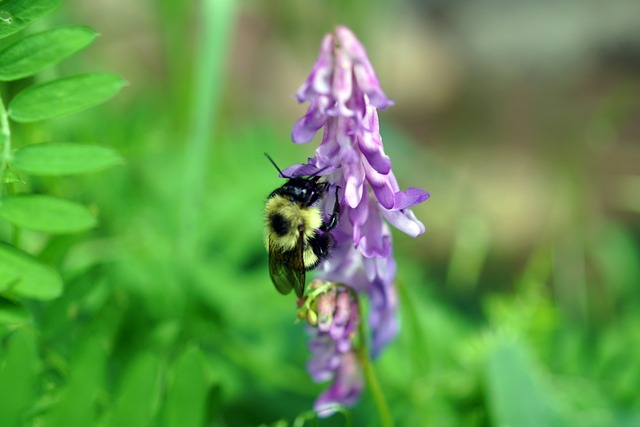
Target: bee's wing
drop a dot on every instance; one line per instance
(287, 268)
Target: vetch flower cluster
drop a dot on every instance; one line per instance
(334, 317)
(344, 97)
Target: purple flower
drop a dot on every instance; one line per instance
(333, 354)
(346, 387)
(344, 97)
(338, 84)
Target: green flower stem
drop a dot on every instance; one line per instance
(217, 23)
(372, 380)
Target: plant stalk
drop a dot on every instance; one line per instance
(216, 26)
(386, 420)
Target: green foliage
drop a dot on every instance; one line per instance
(76, 400)
(187, 390)
(46, 214)
(33, 53)
(19, 370)
(54, 159)
(137, 394)
(154, 307)
(516, 393)
(64, 96)
(17, 14)
(12, 314)
(23, 276)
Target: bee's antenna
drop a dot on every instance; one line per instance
(318, 171)
(315, 175)
(276, 166)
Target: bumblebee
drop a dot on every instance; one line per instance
(296, 235)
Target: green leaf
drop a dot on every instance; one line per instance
(12, 313)
(137, 394)
(517, 395)
(76, 401)
(19, 367)
(17, 14)
(33, 53)
(64, 159)
(64, 96)
(46, 214)
(187, 393)
(23, 275)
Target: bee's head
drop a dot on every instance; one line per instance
(305, 190)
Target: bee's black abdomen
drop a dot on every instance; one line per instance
(320, 244)
(279, 224)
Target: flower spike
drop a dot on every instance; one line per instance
(344, 96)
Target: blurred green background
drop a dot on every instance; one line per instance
(520, 304)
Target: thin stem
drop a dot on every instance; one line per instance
(217, 23)
(418, 335)
(372, 380)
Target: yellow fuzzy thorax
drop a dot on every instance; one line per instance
(307, 219)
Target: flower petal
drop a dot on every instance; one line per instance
(346, 387)
(365, 76)
(383, 318)
(328, 151)
(358, 217)
(306, 127)
(404, 221)
(380, 185)
(357, 103)
(342, 83)
(375, 240)
(353, 174)
(344, 266)
(307, 169)
(368, 82)
(324, 357)
(370, 143)
(319, 80)
(411, 197)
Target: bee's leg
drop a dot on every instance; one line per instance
(335, 215)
